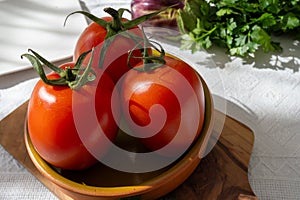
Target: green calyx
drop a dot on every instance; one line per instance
(150, 62)
(74, 77)
(116, 25)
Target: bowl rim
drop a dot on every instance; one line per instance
(190, 159)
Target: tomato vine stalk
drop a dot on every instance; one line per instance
(150, 62)
(74, 77)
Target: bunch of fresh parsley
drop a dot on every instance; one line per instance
(241, 26)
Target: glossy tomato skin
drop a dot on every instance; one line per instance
(115, 61)
(142, 90)
(51, 124)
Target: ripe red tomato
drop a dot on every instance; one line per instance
(116, 56)
(178, 89)
(52, 127)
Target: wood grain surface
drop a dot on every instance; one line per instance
(221, 175)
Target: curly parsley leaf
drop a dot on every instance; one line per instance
(241, 26)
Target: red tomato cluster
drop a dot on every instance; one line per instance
(51, 119)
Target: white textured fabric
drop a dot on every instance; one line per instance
(15, 96)
(17, 183)
(263, 93)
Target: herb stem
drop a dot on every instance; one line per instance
(206, 34)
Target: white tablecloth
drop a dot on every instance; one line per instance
(263, 93)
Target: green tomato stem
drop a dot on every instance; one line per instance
(149, 62)
(71, 77)
(116, 24)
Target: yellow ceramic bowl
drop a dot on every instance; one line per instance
(101, 182)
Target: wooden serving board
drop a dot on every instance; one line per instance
(221, 175)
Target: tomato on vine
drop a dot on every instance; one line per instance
(50, 116)
(112, 37)
(164, 104)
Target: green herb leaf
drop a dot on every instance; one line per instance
(290, 21)
(242, 26)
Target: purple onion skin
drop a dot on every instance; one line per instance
(142, 7)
